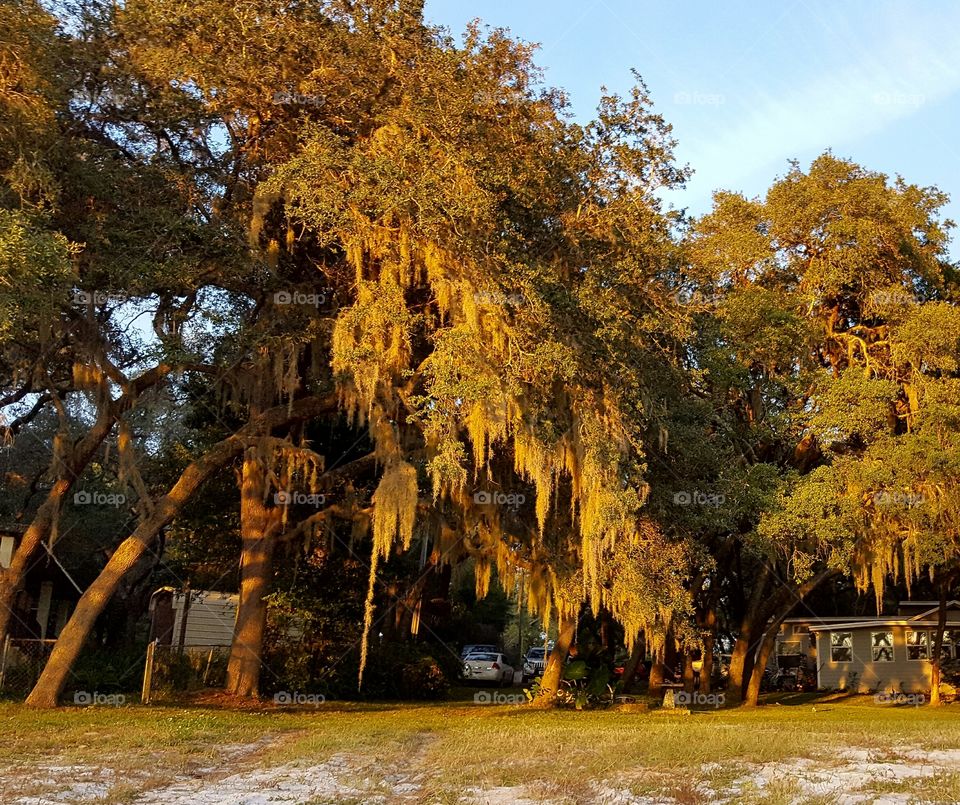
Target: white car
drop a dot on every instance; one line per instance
(487, 667)
(478, 648)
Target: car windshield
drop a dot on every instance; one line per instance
(535, 652)
(481, 657)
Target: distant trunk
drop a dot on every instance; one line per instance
(742, 657)
(11, 578)
(552, 674)
(937, 649)
(258, 530)
(606, 633)
(769, 640)
(688, 680)
(632, 666)
(784, 605)
(709, 641)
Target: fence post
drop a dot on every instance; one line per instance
(148, 673)
(206, 671)
(3, 661)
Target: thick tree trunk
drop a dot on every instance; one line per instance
(74, 635)
(785, 605)
(752, 696)
(655, 682)
(633, 664)
(745, 646)
(937, 648)
(750, 661)
(258, 527)
(553, 673)
(688, 675)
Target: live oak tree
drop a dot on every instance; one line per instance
(338, 219)
(815, 284)
(488, 259)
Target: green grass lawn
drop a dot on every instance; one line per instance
(458, 746)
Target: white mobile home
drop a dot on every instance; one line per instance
(887, 653)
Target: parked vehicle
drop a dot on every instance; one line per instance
(534, 663)
(475, 648)
(487, 667)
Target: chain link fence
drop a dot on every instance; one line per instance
(21, 662)
(172, 671)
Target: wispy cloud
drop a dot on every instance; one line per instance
(755, 130)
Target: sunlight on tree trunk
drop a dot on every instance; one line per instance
(657, 671)
(553, 673)
(74, 635)
(258, 525)
(709, 641)
(11, 579)
(752, 696)
(935, 665)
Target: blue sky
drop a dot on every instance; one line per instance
(749, 85)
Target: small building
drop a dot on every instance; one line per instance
(49, 593)
(797, 638)
(884, 653)
(206, 618)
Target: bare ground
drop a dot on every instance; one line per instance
(854, 776)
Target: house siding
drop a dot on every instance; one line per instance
(210, 619)
(901, 675)
(794, 638)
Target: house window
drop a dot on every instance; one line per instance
(946, 649)
(841, 646)
(882, 646)
(918, 645)
(951, 638)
